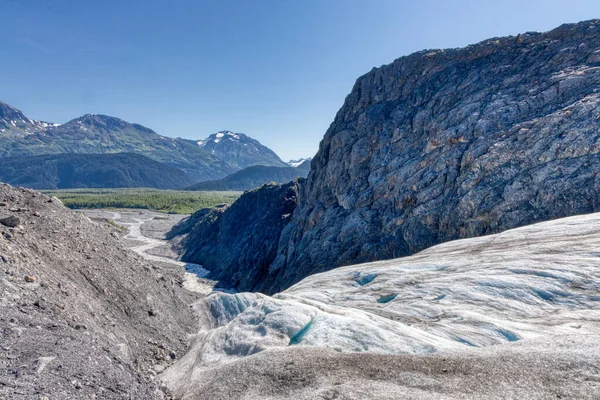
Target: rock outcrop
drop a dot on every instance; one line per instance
(238, 243)
(80, 316)
(447, 144)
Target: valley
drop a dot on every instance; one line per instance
(167, 201)
(144, 233)
(443, 243)
(449, 300)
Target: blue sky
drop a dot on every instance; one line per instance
(275, 70)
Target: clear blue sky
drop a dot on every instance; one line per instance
(275, 70)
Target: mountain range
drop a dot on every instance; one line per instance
(68, 171)
(255, 176)
(213, 158)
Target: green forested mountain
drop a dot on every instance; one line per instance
(252, 177)
(65, 171)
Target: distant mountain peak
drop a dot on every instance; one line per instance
(98, 118)
(298, 162)
(13, 121)
(7, 109)
(222, 135)
(106, 122)
(239, 149)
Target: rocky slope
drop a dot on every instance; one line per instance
(512, 315)
(66, 171)
(253, 177)
(447, 144)
(240, 150)
(238, 243)
(80, 316)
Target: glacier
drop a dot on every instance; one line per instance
(520, 287)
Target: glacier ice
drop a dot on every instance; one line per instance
(526, 283)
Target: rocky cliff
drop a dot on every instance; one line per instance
(238, 243)
(447, 144)
(80, 316)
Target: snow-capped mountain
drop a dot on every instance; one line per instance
(213, 158)
(14, 123)
(240, 150)
(298, 162)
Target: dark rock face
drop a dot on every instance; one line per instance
(238, 243)
(448, 144)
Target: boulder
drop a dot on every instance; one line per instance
(12, 221)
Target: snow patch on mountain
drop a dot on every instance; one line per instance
(239, 150)
(298, 162)
(221, 135)
(12, 120)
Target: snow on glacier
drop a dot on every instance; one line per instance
(521, 284)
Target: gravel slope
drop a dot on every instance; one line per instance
(80, 316)
(564, 367)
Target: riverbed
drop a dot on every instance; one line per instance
(144, 233)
